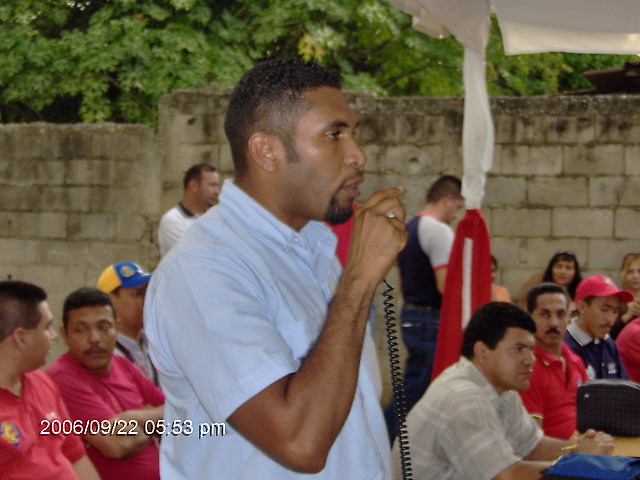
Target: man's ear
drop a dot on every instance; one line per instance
(581, 306)
(19, 338)
(265, 151)
(192, 186)
(480, 351)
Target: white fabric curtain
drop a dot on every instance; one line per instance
(528, 26)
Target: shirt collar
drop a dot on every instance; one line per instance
(478, 378)
(549, 359)
(582, 337)
(238, 206)
(186, 212)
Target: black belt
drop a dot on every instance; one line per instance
(421, 308)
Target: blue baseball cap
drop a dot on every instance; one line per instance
(122, 274)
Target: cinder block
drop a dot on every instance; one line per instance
(597, 159)
(8, 223)
(585, 129)
(9, 271)
(89, 172)
(193, 154)
(560, 130)
(501, 190)
(617, 128)
(64, 199)
(515, 279)
(131, 173)
(582, 222)
(524, 160)
(627, 224)
(528, 129)
(519, 222)
(505, 129)
(30, 144)
(605, 191)
(537, 252)
(614, 191)
(46, 276)
(631, 191)
(131, 227)
(632, 159)
(411, 160)
(66, 253)
(557, 191)
(92, 226)
(607, 254)
(202, 128)
(124, 200)
(32, 171)
(419, 129)
(19, 251)
(42, 225)
(19, 198)
(104, 254)
(506, 251)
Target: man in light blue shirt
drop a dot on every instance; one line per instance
(259, 339)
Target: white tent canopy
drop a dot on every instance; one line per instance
(528, 26)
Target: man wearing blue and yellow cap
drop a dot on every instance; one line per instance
(126, 284)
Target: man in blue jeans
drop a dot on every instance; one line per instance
(423, 269)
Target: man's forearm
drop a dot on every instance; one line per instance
(301, 415)
(304, 412)
(132, 437)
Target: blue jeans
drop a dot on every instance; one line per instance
(419, 333)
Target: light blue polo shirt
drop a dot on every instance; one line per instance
(235, 306)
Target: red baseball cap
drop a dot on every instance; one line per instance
(600, 286)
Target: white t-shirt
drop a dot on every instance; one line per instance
(172, 225)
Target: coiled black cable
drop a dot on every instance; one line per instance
(397, 386)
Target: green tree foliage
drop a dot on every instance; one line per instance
(111, 60)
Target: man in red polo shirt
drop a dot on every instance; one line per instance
(36, 434)
(557, 372)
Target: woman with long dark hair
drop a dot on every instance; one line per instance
(563, 269)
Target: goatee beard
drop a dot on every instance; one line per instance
(336, 214)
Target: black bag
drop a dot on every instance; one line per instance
(611, 405)
(583, 466)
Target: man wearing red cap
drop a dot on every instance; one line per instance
(598, 300)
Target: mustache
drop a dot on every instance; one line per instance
(95, 350)
(357, 177)
(553, 330)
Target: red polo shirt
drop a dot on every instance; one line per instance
(628, 343)
(28, 448)
(552, 391)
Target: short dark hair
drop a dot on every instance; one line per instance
(546, 287)
(195, 173)
(84, 297)
(566, 255)
(269, 98)
(490, 322)
(445, 185)
(19, 306)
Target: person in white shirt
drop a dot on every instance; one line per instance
(201, 189)
(471, 424)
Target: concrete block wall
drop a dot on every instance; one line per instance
(571, 165)
(565, 176)
(73, 199)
